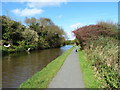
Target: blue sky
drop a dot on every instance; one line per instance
(68, 15)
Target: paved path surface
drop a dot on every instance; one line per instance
(69, 76)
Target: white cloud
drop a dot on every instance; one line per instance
(59, 17)
(42, 4)
(72, 27)
(45, 0)
(70, 35)
(33, 7)
(76, 25)
(60, 0)
(27, 12)
(45, 3)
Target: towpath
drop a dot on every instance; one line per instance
(69, 76)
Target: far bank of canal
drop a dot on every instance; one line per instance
(19, 67)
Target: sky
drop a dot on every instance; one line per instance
(67, 15)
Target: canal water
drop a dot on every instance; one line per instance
(17, 68)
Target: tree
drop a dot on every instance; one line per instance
(44, 27)
(30, 21)
(30, 36)
(11, 29)
(45, 22)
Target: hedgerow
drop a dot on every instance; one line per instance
(101, 47)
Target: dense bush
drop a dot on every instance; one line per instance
(39, 33)
(100, 44)
(91, 32)
(11, 30)
(42, 43)
(103, 54)
(30, 36)
(4, 50)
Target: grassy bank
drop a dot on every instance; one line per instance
(43, 77)
(89, 78)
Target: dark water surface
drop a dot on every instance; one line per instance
(17, 68)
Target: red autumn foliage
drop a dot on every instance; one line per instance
(91, 32)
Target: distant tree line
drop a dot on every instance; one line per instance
(69, 42)
(39, 33)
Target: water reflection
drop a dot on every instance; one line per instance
(17, 68)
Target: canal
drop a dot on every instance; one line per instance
(17, 68)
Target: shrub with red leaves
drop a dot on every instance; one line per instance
(100, 45)
(91, 32)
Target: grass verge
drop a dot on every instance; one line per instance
(89, 78)
(42, 78)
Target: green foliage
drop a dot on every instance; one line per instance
(69, 42)
(19, 48)
(100, 43)
(4, 50)
(11, 29)
(30, 36)
(42, 79)
(89, 78)
(52, 34)
(42, 43)
(32, 47)
(103, 54)
(39, 33)
(15, 37)
(21, 43)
